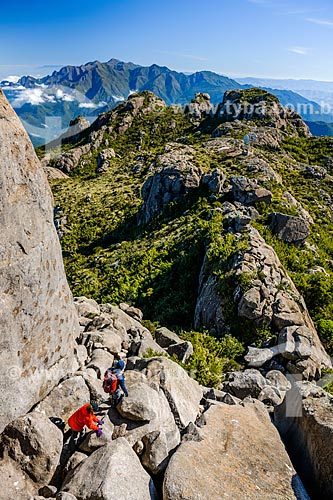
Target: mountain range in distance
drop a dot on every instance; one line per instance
(46, 105)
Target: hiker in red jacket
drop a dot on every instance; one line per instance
(83, 417)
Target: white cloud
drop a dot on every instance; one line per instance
(303, 51)
(29, 96)
(321, 22)
(49, 98)
(88, 105)
(68, 98)
(12, 78)
(62, 96)
(117, 98)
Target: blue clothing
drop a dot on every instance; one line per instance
(121, 380)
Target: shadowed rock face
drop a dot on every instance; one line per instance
(37, 317)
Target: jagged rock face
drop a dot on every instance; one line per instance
(38, 318)
(224, 465)
(175, 175)
(305, 422)
(259, 105)
(271, 300)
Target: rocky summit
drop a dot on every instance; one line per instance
(193, 245)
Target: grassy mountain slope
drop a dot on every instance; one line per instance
(109, 257)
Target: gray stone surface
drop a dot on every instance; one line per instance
(65, 399)
(100, 361)
(182, 392)
(175, 175)
(243, 384)
(305, 421)
(111, 472)
(183, 351)
(30, 450)
(165, 337)
(38, 318)
(248, 191)
(223, 465)
(141, 404)
(87, 308)
(289, 228)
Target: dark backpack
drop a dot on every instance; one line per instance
(110, 382)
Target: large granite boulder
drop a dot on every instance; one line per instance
(30, 449)
(38, 318)
(248, 191)
(65, 399)
(223, 464)
(289, 228)
(182, 392)
(111, 472)
(243, 384)
(165, 337)
(141, 404)
(305, 421)
(146, 410)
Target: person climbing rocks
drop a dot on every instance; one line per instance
(114, 382)
(83, 417)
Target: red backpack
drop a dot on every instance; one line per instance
(110, 382)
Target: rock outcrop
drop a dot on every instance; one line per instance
(30, 449)
(289, 228)
(200, 107)
(260, 106)
(223, 464)
(271, 298)
(115, 122)
(109, 473)
(248, 192)
(38, 318)
(182, 392)
(305, 422)
(174, 175)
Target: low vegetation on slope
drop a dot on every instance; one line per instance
(113, 257)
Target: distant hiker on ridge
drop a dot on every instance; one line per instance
(114, 382)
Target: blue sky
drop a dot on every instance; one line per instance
(272, 38)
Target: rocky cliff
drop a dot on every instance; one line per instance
(38, 319)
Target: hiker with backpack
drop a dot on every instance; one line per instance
(83, 417)
(114, 382)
